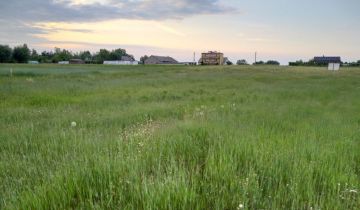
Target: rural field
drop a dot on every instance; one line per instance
(179, 137)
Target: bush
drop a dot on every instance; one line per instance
(242, 62)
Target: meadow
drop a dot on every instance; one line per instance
(179, 137)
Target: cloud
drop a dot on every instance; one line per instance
(19, 17)
(96, 10)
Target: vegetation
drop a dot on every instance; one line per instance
(269, 62)
(5, 54)
(313, 63)
(229, 63)
(143, 59)
(305, 63)
(242, 62)
(272, 62)
(22, 54)
(353, 64)
(179, 137)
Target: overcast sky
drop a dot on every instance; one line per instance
(283, 30)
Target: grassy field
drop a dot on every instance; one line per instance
(179, 137)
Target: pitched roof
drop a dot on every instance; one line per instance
(127, 58)
(162, 59)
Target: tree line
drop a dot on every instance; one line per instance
(269, 62)
(313, 63)
(22, 54)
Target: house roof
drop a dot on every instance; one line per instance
(163, 59)
(127, 58)
(327, 59)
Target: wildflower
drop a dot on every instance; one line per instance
(201, 113)
(241, 206)
(73, 124)
(353, 191)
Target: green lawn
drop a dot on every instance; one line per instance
(179, 137)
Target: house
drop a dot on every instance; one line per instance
(325, 60)
(212, 58)
(76, 61)
(63, 62)
(125, 60)
(160, 60)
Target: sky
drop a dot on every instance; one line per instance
(283, 30)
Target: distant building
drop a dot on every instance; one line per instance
(188, 63)
(212, 58)
(76, 61)
(160, 60)
(63, 62)
(325, 60)
(33, 62)
(125, 60)
(121, 62)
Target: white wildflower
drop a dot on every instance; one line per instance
(73, 124)
(353, 191)
(241, 206)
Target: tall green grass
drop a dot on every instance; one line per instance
(178, 137)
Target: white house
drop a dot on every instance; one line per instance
(125, 60)
(121, 62)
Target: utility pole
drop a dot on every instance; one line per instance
(255, 57)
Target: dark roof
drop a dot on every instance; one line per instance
(327, 59)
(127, 58)
(161, 60)
(76, 61)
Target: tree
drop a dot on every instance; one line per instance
(143, 59)
(34, 55)
(46, 57)
(5, 54)
(229, 63)
(61, 55)
(272, 62)
(297, 63)
(102, 56)
(117, 54)
(241, 62)
(86, 56)
(21, 54)
(259, 63)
